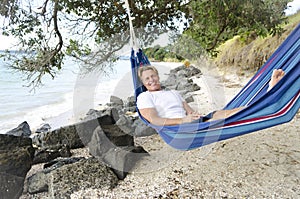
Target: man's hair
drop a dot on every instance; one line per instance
(145, 68)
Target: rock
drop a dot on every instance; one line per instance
(11, 186)
(39, 182)
(131, 101)
(183, 85)
(129, 109)
(195, 87)
(99, 143)
(117, 136)
(142, 130)
(179, 68)
(116, 100)
(63, 177)
(22, 130)
(171, 81)
(58, 143)
(44, 128)
(125, 124)
(92, 114)
(113, 113)
(106, 138)
(89, 173)
(186, 72)
(16, 154)
(192, 71)
(74, 136)
(122, 159)
(107, 116)
(86, 129)
(179, 79)
(54, 164)
(189, 99)
(64, 136)
(116, 149)
(48, 154)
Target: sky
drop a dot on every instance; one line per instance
(7, 42)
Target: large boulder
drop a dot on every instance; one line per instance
(106, 138)
(90, 173)
(39, 182)
(122, 159)
(74, 136)
(63, 136)
(64, 178)
(116, 149)
(16, 154)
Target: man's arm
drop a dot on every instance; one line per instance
(151, 115)
(187, 108)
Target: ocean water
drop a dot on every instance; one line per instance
(62, 100)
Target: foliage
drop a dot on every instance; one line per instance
(187, 47)
(215, 21)
(158, 53)
(90, 31)
(250, 57)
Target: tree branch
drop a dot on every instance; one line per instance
(56, 29)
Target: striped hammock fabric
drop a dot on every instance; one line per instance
(264, 109)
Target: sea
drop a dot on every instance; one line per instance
(62, 100)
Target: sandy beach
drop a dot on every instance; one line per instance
(262, 164)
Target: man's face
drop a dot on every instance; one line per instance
(150, 80)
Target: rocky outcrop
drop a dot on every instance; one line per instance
(108, 144)
(16, 154)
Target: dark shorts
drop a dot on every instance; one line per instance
(204, 118)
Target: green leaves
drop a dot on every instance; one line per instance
(215, 21)
(75, 49)
(162, 53)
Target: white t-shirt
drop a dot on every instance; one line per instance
(168, 103)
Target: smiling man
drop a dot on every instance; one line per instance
(166, 107)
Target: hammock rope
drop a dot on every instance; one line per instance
(264, 109)
(133, 39)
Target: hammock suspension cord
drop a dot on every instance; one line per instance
(133, 40)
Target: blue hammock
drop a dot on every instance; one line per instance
(264, 109)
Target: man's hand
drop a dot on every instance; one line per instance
(191, 117)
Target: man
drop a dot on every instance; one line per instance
(166, 107)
